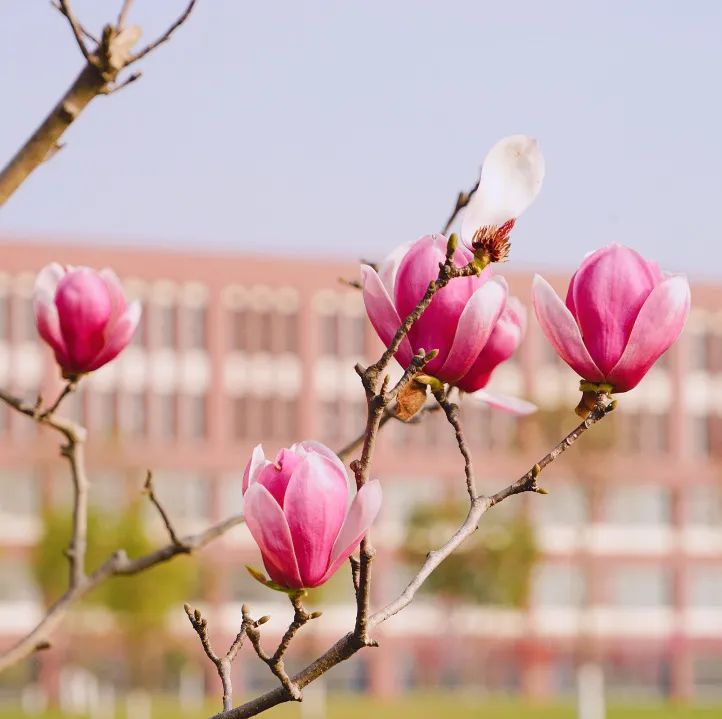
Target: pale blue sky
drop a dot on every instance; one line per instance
(346, 127)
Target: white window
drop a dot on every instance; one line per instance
(637, 504)
(556, 584)
(641, 586)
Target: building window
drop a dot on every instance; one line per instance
(16, 581)
(185, 495)
(329, 335)
(196, 326)
(331, 419)
(136, 419)
(140, 336)
(703, 505)
(648, 585)
(198, 416)
(19, 493)
(705, 587)
(239, 415)
(559, 585)
(105, 411)
(639, 504)
(289, 334)
(168, 415)
(356, 336)
(108, 491)
(287, 418)
(24, 326)
(570, 507)
(265, 407)
(237, 320)
(167, 326)
(699, 436)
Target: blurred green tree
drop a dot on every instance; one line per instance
(139, 604)
(492, 567)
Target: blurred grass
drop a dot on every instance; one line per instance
(420, 706)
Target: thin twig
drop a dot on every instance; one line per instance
(165, 37)
(462, 201)
(111, 90)
(77, 29)
(275, 661)
(150, 491)
(222, 664)
(83, 30)
(69, 387)
(451, 410)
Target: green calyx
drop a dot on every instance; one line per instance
(597, 388)
(259, 576)
(435, 384)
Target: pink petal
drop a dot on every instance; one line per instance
(117, 296)
(255, 464)
(363, 511)
(275, 476)
(311, 445)
(608, 291)
(120, 337)
(562, 331)
(315, 506)
(46, 283)
(503, 342)
(84, 307)
(436, 328)
(474, 329)
(390, 266)
(48, 324)
(658, 325)
(505, 402)
(382, 313)
(269, 528)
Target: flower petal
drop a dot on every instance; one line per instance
(267, 524)
(310, 445)
(511, 178)
(474, 329)
(607, 293)
(562, 331)
(117, 295)
(255, 464)
(505, 402)
(315, 507)
(390, 266)
(503, 342)
(436, 327)
(363, 511)
(120, 337)
(46, 283)
(382, 312)
(658, 324)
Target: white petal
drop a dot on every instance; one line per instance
(511, 178)
(505, 402)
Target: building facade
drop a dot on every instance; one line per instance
(235, 350)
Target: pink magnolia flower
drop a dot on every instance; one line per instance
(471, 322)
(621, 314)
(296, 510)
(511, 178)
(82, 314)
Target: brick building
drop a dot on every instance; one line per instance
(233, 350)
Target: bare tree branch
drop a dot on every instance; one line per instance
(150, 491)
(451, 410)
(111, 54)
(166, 36)
(462, 201)
(76, 27)
(118, 564)
(222, 664)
